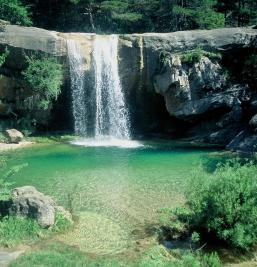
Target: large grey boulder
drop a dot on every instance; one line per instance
(192, 91)
(28, 202)
(14, 136)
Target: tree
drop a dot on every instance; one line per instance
(238, 12)
(15, 12)
(198, 14)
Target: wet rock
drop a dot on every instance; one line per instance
(245, 141)
(14, 136)
(253, 122)
(253, 106)
(222, 137)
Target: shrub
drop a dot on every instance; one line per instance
(197, 54)
(4, 56)
(224, 205)
(14, 12)
(44, 76)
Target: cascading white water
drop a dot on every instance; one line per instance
(77, 75)
(99, 108)
(111, 113)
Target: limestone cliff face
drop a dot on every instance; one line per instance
(200, 99)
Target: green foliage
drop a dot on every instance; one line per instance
(238, 12)
(127, 16)
(211, 260)
(177, 220)
(224, 204)
(5, 184)
(14, 12)
(196, 55)
(56, 255)
(59, 255)
(44, 76)
(200, 13)
(16, 230)
(4, 56)
(195, 237)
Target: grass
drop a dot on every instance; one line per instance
(19, 230)
(59, 255)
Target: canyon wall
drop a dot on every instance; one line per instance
(206, 100)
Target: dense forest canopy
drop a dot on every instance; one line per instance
(127, 16)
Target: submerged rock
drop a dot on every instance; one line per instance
(26, 201)
(14, 136)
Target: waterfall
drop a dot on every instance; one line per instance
(77, 75)
(98, 102)
(111, 113)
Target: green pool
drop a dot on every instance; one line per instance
(116, 192)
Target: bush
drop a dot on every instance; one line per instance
(224, 205)
(14, 12)
(194, 56)
(4, 56)
(44, 76)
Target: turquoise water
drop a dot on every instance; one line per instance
(122, 187)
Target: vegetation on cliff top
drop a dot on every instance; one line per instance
(129, 15)
(15, 12)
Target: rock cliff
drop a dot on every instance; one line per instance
(204, 100)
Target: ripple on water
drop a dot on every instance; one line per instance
(97, 234)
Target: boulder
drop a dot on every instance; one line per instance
(14, 136)
(200, 89)
(244, 142)
(28, 202)
(253, 122)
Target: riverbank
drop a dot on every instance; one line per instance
(5, 146)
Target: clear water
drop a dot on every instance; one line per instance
(115, 190)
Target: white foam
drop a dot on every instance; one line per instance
(107, 142)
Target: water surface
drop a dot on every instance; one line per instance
(115, 191)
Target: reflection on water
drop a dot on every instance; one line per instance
(111, 189)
